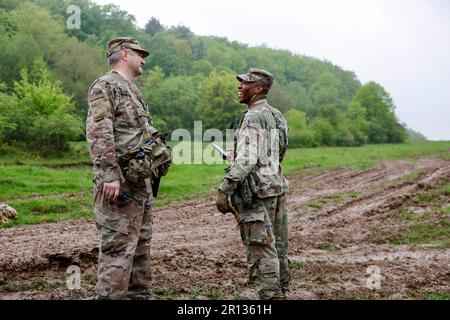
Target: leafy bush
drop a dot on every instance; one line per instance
(39, 116)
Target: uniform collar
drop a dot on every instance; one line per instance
(121, 76)
(257, 103)
(262, 101)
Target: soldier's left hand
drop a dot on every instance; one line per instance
(222, 202)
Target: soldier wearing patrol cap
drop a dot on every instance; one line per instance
(118, 44)
(255, 186)
(118, 120)
(255, 75)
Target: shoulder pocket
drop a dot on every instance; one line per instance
(96, 95)
(100, 109)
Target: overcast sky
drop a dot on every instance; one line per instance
(404, 44)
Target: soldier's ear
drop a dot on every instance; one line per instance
(124, 53)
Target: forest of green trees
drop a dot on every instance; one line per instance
(46, 70)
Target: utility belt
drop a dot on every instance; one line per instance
(145, 164)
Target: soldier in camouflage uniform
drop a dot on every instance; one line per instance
(117, 118)
(260, 145)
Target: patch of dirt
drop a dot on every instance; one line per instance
(341, 223)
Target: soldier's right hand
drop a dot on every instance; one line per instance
(111, 190)
(230, 156)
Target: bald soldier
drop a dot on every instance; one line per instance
(255, 187)
(118, 126)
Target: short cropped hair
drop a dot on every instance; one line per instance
(115, 57)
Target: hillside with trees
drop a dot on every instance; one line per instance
(46, 70)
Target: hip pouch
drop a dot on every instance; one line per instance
(149, 161)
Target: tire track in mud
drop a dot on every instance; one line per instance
(348, 222)
(194, 245)
(339, 240)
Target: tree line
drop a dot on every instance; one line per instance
(46, 69)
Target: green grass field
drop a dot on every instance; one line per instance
(44, 190)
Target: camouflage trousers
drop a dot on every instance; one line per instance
(277, 207)
(258, 236)
(125, 231)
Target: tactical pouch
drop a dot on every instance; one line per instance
(248, 190)
(146, 162)
(160, 156)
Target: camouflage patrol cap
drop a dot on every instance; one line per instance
(118, 44)
(264, 77)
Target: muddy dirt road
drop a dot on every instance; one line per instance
(377, 233)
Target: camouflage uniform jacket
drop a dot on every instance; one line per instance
(283, 129)
(257, 150)
(116, 120)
